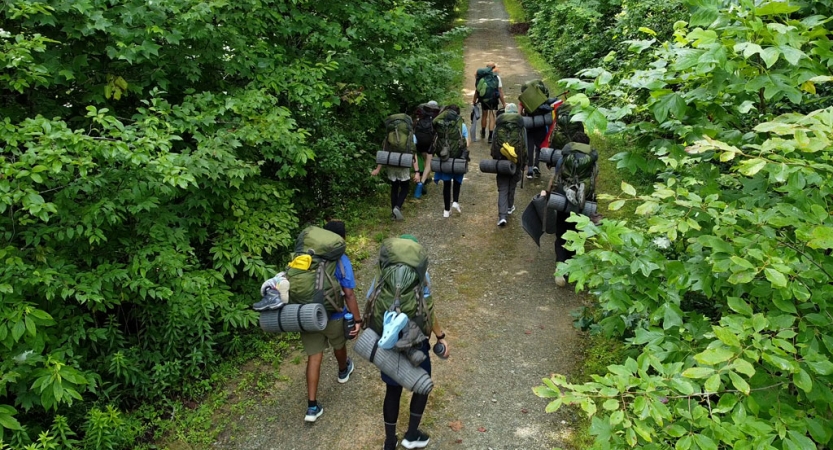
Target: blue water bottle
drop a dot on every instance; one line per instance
(418, 190)
(349, 324)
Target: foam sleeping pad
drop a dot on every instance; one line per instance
(539, 121)
(503, 166)
(453, 166)
(393, 363)
(559, 202)
(294, 318)
(395, 159)
(550, 156)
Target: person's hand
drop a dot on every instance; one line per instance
(543, 193)
(355, 331)
(374, 172)
(445, 343)
(416, 177)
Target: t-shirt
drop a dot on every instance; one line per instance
(347, 280)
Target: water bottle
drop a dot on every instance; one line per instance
(349, 324)
(439, 349)
(418, 190)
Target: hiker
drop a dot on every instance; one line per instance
(534, 102)
(400, 139)
(416, 302)
(424, 133)
(509, 143)
(574, 177)
(488, 91)
(452, 141)
(338, 296)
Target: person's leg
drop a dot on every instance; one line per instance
(457, 186)
(314, 346)
(447, 195)
(394, 193)
(502, 196)
(484, 119)
(404, 185)
(414, 438)
(390, 413)
(313, 374)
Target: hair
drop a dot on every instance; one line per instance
(581, 138)
(337, 227)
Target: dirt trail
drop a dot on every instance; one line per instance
(508, 324)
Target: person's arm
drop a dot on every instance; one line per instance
(376, 171)
(502, 100)
(428, 158)
(416, 169)
(439, 333)
(353, 306)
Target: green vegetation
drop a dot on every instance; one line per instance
(517, 13)
(158, 159)
(720, 283)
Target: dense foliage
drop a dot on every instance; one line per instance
(157, 158)
(722, 283)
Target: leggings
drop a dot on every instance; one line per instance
(447, 193)
(398, 192)
(390, 410)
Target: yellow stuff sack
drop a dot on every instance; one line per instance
(509, 152)
(301, 262)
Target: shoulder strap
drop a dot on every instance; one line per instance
(335, 288)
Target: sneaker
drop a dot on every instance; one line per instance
(529, 174)
(271, 301)
(446, 214)
(344, 375)
(501, 223)
(397, 214)
(313, 413)
(390, 444)
(418, 440)
(560, 281)
(482, 133)
(456, 206)
(511, 210)
(536, 171)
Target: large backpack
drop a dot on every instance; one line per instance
(509, 128)
(534, 93)
(449, 141)
(487, 84)
(400, 285)
(564, 130)
(424, 124)
(575, 174)
(311, 273)
(400, 134)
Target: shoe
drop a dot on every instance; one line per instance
(271, 301)
(560, 281)
(456, 206)
(528, 174)
(390, 444)
(536, 171)
(344, 375)
(397, 214)
(490, 136)
(511, 210)
(313, 413)
(501, 223)
(392, 324)
(482, 133)
(446, 214)
(418, 440)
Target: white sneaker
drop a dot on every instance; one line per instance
(456, 206)
(446, 213)
(501, 223)
(511, 210)
(560, 281)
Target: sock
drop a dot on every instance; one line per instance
(418, 403)
(311, 403)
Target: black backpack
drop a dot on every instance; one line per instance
(424, 124)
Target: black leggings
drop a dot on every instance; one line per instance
(447, 193)
(390, 410)
(398, 192)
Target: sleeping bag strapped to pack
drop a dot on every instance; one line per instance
(400, 284)
(509, 129)
(534, 93)
(449, 141)
(311, 273)
(424, 124)
(487, 85)
(400, 134)
(575, 175)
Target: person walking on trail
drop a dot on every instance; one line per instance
(400, 179)
(509, 143)
(333, 335)
(536, 94)
(452, 134)
(488, 92)
(424, 132)
(419, 309)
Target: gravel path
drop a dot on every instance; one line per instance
(508, 324)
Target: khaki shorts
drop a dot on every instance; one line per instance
(333, 334)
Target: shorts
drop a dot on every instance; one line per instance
(426, 365)
(399, 173)
(490, 105)
(333, 335)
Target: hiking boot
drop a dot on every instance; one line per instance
(483, 133)
(313, 413)
(490, 136)
(560, 281)
(271, 301)
(511, 210)
(418, 440)
(456, 206)
(446, 214)
(536, 171)
(501, 223)
(397, 214)
(390, 444)
(529, 174)
(344, 375)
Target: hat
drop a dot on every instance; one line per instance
(409, 236)
(337, 227)
(512, 108)
(433, 104)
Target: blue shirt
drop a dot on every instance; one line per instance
(347, 280)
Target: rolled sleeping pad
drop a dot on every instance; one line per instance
(559, 202)
(294, 318)
(394, 364)
(502, 166)
(550, 156)
(453, 166)
(394, 159)
(538, 121)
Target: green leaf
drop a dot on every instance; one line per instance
(823, 367)
(553, 406)
(739, 306)
(647, 31)
(611, 404)
(770, 56)
(802, 441)
(784, 305)
(684, 443)
(705, 442)
(803, 381)
(713, 356)
(615, 206)
(545, 392)
(775, 277)
(698, 372)
(750, 167)
(739, 383)
(712, 384)
(670, 103)
(822, 238)
(743, 366)
(726, 336)
(628, 189)
(775, 8)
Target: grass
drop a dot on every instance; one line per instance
(516, 11)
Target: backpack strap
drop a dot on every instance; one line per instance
(335, 288)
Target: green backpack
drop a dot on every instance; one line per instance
(575, 174)
(509, 128)
(400, 284)
(449, 141)
(564, 128)
(534, 93)
(311, 273)
(400, 134)
(487, 84)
